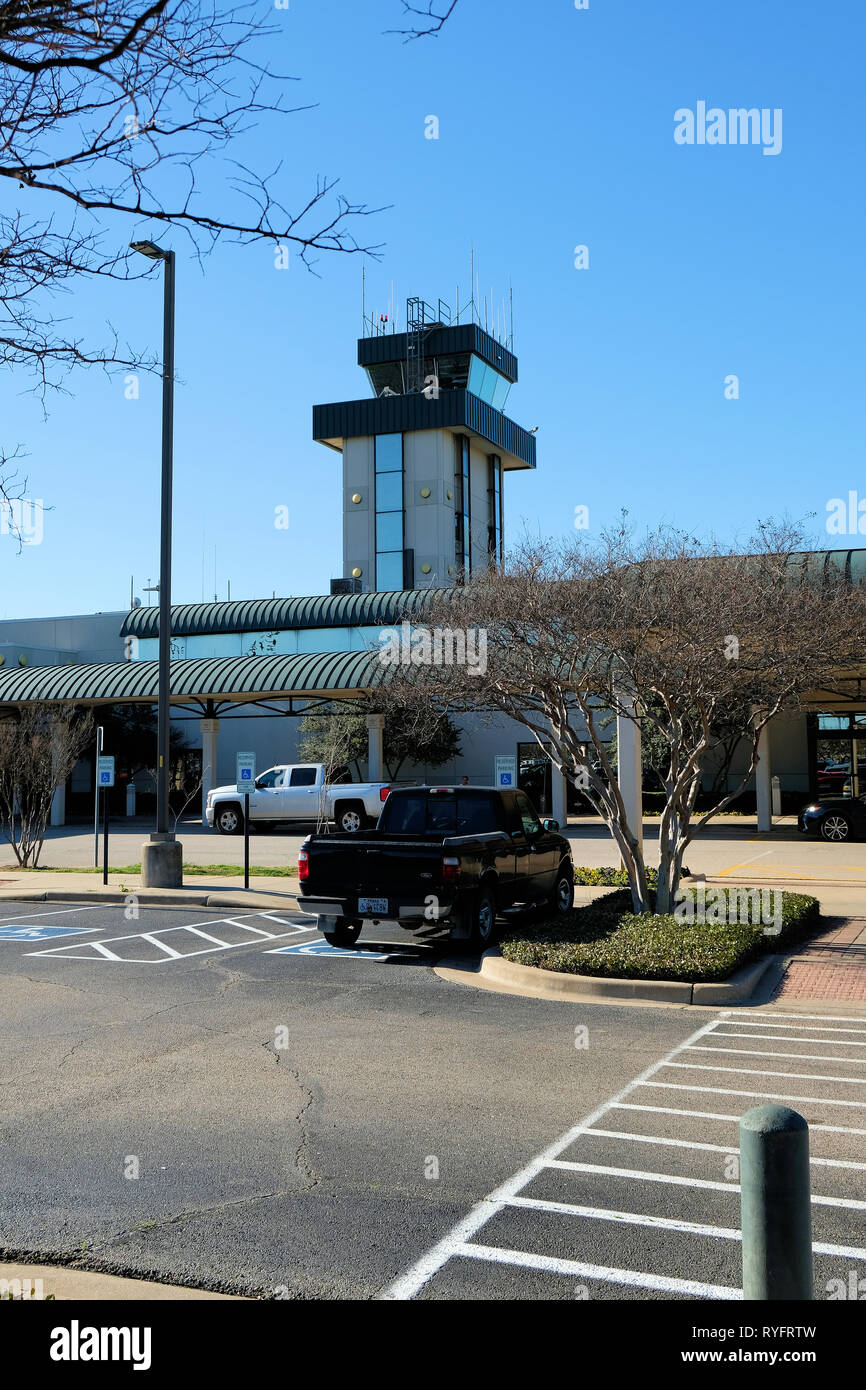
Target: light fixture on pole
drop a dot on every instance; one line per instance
(162, 857)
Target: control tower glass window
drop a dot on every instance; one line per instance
(389, 511)
(488, 384)
(494, 497)
(462, 516)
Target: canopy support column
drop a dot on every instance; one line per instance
(209, 739)
(375, 749)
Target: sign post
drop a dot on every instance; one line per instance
(96, 802)
(245, 783)
(505, 770)
(104, 781)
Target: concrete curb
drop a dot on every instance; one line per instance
(497, 972)
(67, 1284)
(158, 897)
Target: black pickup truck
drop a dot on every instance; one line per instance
(453, 855)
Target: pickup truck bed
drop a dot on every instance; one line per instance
(499, 854)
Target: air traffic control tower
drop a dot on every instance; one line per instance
(424, 457)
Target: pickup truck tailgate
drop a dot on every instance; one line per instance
(371, 866)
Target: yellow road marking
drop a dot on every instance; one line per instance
(772, 873)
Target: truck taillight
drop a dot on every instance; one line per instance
(303, 864)
(450, 869)
(383, 793)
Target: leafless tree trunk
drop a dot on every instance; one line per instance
(38, 750)
(337, 753)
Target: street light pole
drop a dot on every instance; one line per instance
(163, 735)
(162, 858)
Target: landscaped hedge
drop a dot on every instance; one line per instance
(608, 878)
(606, 938)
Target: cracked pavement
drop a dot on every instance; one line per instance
(294, 1171)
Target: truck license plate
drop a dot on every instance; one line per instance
(375, 907)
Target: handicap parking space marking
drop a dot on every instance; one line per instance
(323, 948)
(117, 948)
(40, 932)
(591, 1219)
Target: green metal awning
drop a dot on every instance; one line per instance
(281, 614)
(229, 680)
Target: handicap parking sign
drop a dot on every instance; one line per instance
(39, 933)
(505, 770)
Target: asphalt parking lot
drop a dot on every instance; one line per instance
(217, 1098)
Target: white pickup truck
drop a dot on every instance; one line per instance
(298, 792)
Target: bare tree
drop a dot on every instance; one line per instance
(38, 749)
(689, 639)
(336, 752)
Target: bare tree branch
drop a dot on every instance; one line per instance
(121, 109)
(431, 13)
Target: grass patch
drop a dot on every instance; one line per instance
(606, 938)
(214, 870)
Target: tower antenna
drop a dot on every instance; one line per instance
(472, 280)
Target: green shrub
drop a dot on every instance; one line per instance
(606, 938)
(608, 878)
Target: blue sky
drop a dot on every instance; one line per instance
(556, 129)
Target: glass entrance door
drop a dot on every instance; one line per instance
(533, 776)
(838, 755)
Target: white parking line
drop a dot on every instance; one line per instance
(759, 1020)
(575, 1270)
(762, 1095)
(675, 1180)
(50, 912)
(831, 1042)
(798, 1056)
(732, 1119)
(762, 1071)
(668, 1223)
(459, 1243)
(704, 1148)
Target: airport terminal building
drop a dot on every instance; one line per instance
(424, 461)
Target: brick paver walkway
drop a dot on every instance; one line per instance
(834, 967)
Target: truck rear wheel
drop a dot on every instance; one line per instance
(481, 913)
(229, 819)
(343, 932)
(350, 816)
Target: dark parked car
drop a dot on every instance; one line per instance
(451, 855)
(843, 818)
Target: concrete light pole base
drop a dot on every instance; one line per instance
(162, 862)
